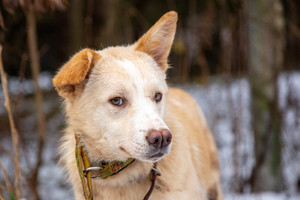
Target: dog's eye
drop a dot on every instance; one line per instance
(117, 101)
(157, 97)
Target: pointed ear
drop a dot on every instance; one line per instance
(74, 72)
(158, 40)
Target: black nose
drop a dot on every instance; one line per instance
(159, 139)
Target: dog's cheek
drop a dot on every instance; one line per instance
(117, 131)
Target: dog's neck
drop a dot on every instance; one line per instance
(106, 169)
(138, 170)
(103, 169)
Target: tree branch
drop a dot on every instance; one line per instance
(14, 132)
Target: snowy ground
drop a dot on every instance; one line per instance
(228, 103)
(217, 99)
(263, 196)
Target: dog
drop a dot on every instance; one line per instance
(119, 110)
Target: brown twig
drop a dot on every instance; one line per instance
(19, 99)
(35, 68)
(6, 178)
(14, 132)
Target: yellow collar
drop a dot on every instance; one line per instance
(87, 172)
(103, 171)
(110, 169)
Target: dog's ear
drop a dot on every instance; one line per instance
(158, 40)
(75, 72)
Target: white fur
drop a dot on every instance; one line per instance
(146, 116)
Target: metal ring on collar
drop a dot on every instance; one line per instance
(91, 169)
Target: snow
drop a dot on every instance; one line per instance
(219, 99)
(263, 196)
(224, 105)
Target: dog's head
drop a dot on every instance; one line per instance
(115, 97)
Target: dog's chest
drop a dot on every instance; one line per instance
(133, 191)
(137, 191)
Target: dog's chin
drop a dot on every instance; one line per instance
(154, 156)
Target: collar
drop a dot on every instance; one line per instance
(86, 172)
(105, 169)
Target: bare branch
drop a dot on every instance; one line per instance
(14, 132)
(6, 177)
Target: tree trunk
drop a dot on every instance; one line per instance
(76, 24)
(266, 43)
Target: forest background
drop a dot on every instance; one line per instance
(238, 58)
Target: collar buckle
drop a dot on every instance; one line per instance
(90, 169)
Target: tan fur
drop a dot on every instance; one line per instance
(152, 40)
(75, 71)
(189, 171)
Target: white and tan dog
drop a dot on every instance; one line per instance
(118, 102)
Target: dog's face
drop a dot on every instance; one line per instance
(115, 97)
(127, 96)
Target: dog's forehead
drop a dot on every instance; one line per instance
(127, 63)
(131, 69)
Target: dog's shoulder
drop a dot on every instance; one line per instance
(181, 103)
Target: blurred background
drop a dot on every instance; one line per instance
(239, 58)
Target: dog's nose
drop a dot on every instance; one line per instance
(159, 139)
(167, 137)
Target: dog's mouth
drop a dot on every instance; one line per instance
(158, 155)
(153, 155)
(124, 151)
